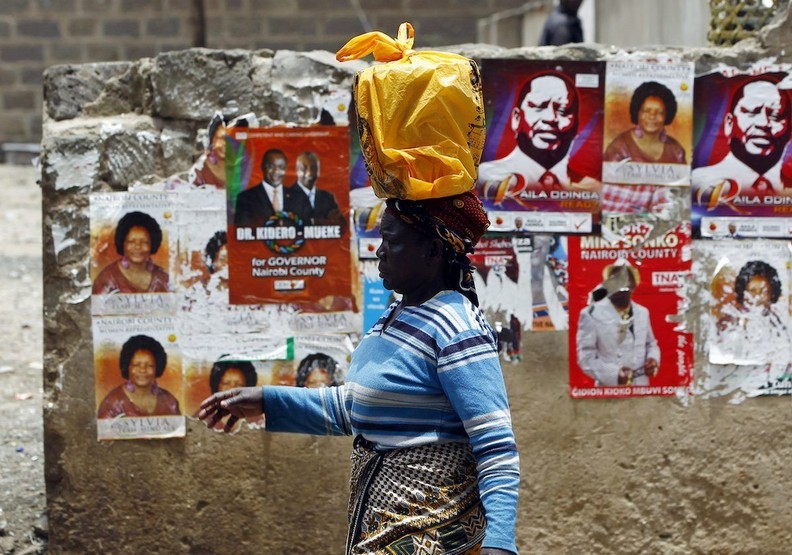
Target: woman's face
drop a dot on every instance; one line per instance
(231, 378)
(402, 256)
(319, 377)
(221, 260)
(651, 115)
(137, 245)
(757, 293)
(142, 368)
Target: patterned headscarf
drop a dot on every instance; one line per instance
(458, 221)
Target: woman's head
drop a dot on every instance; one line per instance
(228, 374)
(757, 285)
(316, 370)
(137, 236)
(446, 229)
(142, 360)
(652, 104)
(216, 252)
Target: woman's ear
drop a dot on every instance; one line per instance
(435, 249)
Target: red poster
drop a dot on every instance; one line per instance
(624, 295)
(288, 230)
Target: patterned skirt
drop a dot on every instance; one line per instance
(415, 501)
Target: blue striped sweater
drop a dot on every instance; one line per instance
(433, 375)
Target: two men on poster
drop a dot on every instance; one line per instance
(256, 205)
(283, 239)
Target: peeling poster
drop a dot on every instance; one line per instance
(749, 316)
(522, 280)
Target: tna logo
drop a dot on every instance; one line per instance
(666, 279)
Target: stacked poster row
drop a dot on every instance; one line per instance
(262, 266)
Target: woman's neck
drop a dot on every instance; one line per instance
(423, 294)
(136, 266)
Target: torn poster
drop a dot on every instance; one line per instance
(203, 269)
(523, 278)
(219, 362)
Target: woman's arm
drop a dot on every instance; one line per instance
(470, 373)
(286, 409)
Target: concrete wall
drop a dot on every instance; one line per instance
(36, 34)
(644, 475)
(644, 22)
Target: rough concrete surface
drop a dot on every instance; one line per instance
(23, 526)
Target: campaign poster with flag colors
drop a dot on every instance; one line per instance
(288, 230)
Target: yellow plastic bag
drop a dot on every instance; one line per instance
(420, 117)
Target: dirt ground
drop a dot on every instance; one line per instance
(23, 528)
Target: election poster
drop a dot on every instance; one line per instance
(522, 279)
(288, 229)
(624, 297)
(376, 299)
(203, 273)
(209, 171)
(138, 374)
(749, 345)
(218, 362)
(648, 122)
(367, 212)
(133, 245)
(742, 172)
(322, 360)
(648, 135)
(542, 161)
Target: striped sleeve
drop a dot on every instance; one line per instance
(301, 410)
(470, 373)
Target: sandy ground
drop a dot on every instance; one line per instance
(23, 527)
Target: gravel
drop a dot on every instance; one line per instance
(23, 522)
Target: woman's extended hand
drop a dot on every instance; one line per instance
(241, 402)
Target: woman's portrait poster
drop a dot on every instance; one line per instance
(742, 162)
(133, 246)
(288, 228)
(542, 158)
(214, 363)
(138, 372)
(322, 360)
(746, 344)
(648, 122)
(624, 296)
(203, 269)
(749, 314)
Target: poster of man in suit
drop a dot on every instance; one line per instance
(287, 238)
